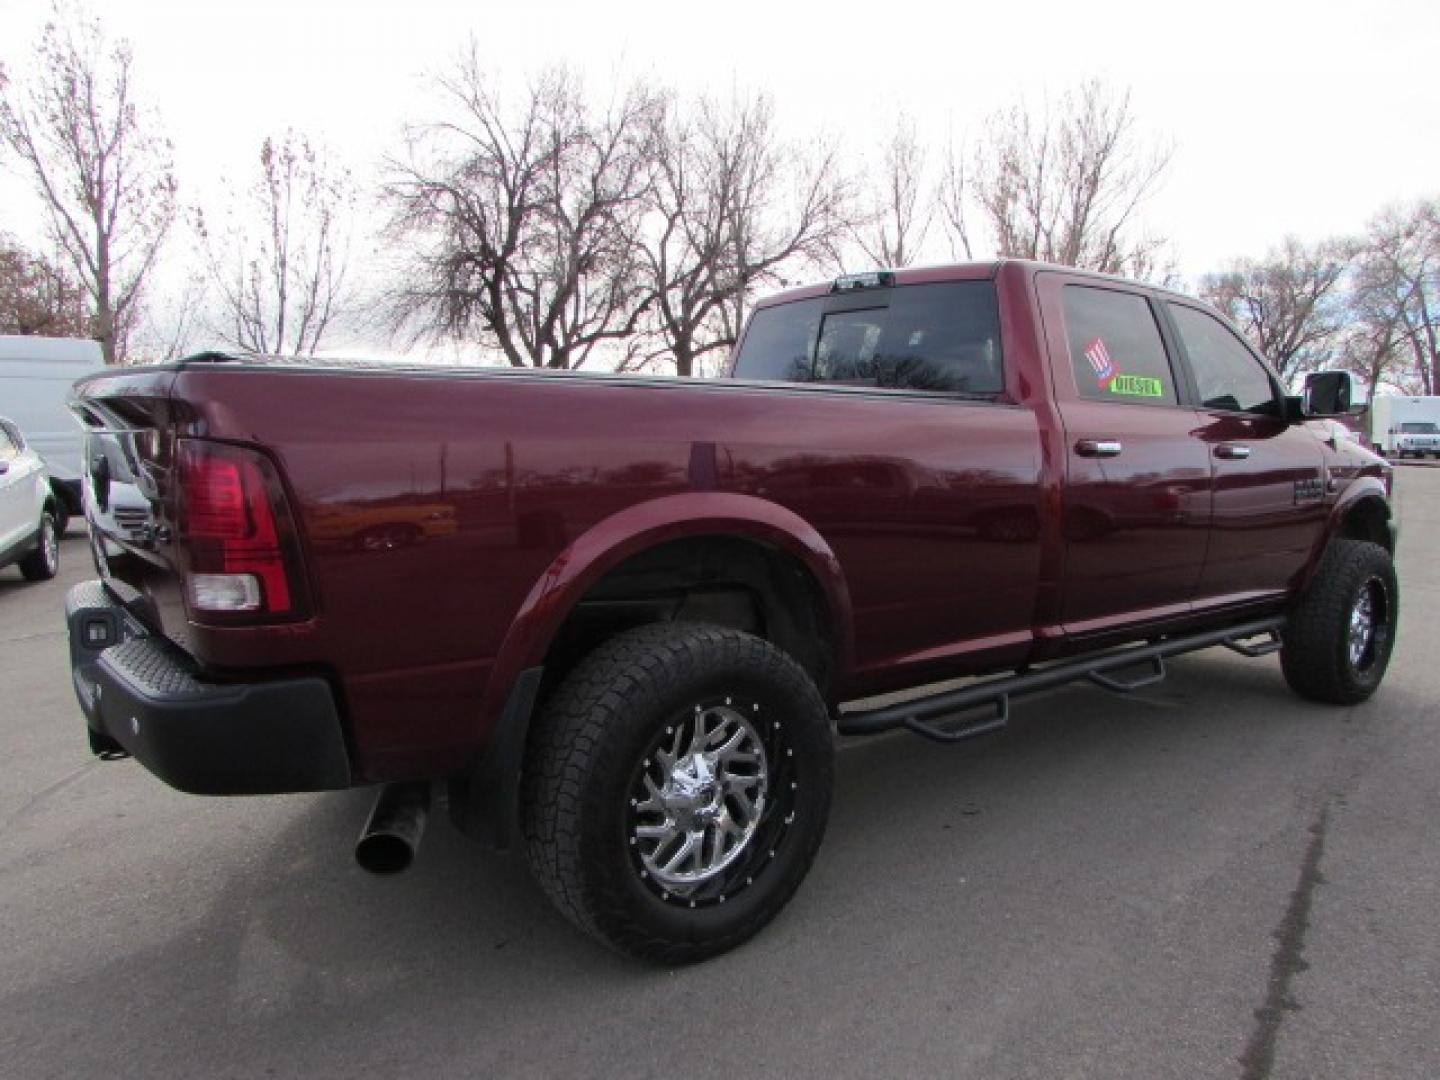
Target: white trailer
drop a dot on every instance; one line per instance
(36, 374)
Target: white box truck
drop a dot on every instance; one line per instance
(1402, 427)
(36, 374)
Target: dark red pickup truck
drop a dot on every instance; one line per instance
(620, 616)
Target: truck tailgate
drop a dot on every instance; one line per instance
(128, 486)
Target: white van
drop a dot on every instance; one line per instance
(36, 374)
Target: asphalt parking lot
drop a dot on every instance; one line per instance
(1210, 878)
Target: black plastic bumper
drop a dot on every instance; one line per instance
(141, 694)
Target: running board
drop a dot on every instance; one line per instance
(921, 715)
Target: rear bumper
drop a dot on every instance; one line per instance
(139, 692)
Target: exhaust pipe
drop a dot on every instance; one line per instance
(387, 843)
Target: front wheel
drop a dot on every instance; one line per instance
(1340, 635)
(43, 563)
(676, 789)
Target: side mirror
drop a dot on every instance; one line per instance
(1327, 393)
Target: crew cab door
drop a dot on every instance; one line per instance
(1136, 501)
(1269, 489)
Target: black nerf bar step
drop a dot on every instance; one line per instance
(920, 715)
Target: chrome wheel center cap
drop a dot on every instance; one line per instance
(692, 790)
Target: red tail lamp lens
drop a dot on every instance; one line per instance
(217, 506)
(229, 521)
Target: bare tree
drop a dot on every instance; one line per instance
(900, 204)
(39, 295)
(1065, 187)
(952, 196)
(174, 322)
(103, 174)
(729, 208)
(279, 263)
(524, 217)
(1371, 350)
(1399, 280)
(1290, 304)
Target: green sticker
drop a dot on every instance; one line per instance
(1137, 386)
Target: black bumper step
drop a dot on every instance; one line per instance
(144, 697)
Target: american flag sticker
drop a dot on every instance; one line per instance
(1100, 361)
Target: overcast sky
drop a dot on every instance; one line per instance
(1286, 118)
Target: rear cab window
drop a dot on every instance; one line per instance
(1116, 349)
(942, 338)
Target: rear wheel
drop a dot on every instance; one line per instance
(1340, 635)
(43, 563)
(676, 790)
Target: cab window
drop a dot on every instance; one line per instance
(1115, 347)
(941, 337)
(1226, 372)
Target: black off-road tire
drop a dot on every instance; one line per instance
(585, 758)
(1316, 657)
(43, 563)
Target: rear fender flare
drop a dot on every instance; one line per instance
(673, 517)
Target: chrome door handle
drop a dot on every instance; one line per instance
(1232, 451)
(1099, 447)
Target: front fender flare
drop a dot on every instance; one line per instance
(1359, 490)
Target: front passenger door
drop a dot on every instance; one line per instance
(14, 493)
(1269, 487)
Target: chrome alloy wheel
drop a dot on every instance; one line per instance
(50, 543)
(1367, 624)
(700, 796)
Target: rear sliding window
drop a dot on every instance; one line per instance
(944, 338)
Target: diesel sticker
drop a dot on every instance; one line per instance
(1137, 386)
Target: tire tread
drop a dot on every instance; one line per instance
(569, 747)
(1312, 656)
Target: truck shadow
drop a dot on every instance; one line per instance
(302, 954)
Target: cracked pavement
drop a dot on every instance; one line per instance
(1208, 878)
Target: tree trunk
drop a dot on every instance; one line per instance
(684, 351)
(104, 310)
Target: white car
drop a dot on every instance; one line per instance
(28, 532)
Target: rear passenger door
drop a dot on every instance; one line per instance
(1269, 496)
(1137, 488)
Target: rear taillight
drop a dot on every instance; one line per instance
(236, 528)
